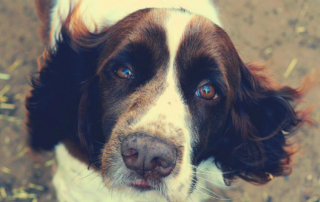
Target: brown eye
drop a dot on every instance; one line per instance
(124, 73)
(207, 92)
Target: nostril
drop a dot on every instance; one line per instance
(157, 161)
(133, 152)
(163, 167)
(130, 156)
(165, 163)
(130, 152)
(160, 162)
(164, 171)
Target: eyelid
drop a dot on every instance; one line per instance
(207, 82)
(220, 86)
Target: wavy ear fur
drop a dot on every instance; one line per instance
(257, 126)
(54, 100)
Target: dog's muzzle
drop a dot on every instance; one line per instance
(149, 157)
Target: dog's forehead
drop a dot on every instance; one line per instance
(192, 36)
(177, 26)
(181, 26)
(178, 29)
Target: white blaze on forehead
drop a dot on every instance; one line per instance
(170, 104)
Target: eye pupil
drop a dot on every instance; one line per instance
(124, 72)
(206, 92)
(206, 89)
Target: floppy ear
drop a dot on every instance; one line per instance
(54, 100)
(254, 145)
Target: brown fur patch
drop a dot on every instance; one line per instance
(44, 9)
(205, 39)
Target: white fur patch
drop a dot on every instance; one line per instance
(75, 183)
(208, 170)
(171, 105)
(107, 12)
(208, 175)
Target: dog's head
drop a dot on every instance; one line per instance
(153, 96)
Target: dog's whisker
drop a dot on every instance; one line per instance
(187, 197)
(221, 185)
(220, 197)
(77, 175)
(99, 142)
(91, 173)
(96, 147)
(212, 172)
(209, 190)
(96, 153)
(210, 175)
(209, 172)
(95, 161)
(198, 168)
(99, 175)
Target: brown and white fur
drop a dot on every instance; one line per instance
(80, 106)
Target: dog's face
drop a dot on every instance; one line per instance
(164, 90)
(167, 87)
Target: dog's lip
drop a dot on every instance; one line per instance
(142, 184)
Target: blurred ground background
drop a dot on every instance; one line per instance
(286, 34)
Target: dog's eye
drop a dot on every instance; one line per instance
(207, 92)
(124, 73)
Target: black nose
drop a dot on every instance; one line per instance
(143, 153)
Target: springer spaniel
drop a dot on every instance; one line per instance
(147, 100)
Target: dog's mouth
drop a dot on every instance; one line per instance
(142, 185)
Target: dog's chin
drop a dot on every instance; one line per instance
(144, 188)
(138, 186)
(141, 185)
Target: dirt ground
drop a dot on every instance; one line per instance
(286, 34)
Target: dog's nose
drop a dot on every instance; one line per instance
(143, 153)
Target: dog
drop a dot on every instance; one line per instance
(149, 101)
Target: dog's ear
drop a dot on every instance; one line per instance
(254, 145)
(53, 103)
